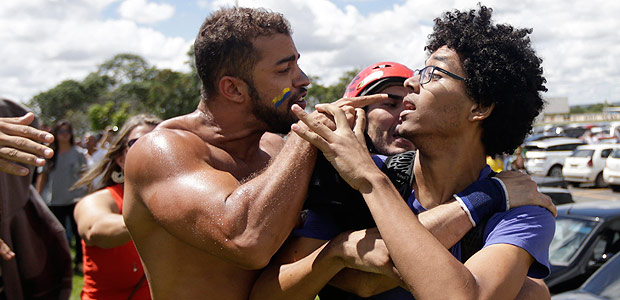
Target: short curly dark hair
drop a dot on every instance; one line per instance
(501, 68)
(224, 45)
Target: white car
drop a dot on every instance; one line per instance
(611, 173)
(546, 157)
(586, 164)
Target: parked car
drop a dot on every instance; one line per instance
(603, 284)
(546, 157)
(554, 187)
(587, 234)
(586, 164)
(611, 173)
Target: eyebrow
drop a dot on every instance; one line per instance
(287, 59)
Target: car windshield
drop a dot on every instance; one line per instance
(606, 281)
(569, 235)
(615, 154)
(582, 153)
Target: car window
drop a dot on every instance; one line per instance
(582, 153)
(565, 147)
(615, 154)
(605, 153)
(606, 281)
(569, 235)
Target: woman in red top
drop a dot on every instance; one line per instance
(112, 267)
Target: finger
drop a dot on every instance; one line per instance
(312, 123)
(26, 145)
(549, 205)
(23, 130)
(20, 156)
(339, 117)
(5, 252)
(313, 138)
(360, 125)
(10, 168)
(362, 100)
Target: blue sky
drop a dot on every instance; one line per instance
(47, 41)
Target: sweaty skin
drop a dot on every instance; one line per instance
(208, 196)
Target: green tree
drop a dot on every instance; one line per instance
(318, 93)
(172, 94)
(54, 104)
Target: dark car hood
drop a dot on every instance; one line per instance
(576, 295)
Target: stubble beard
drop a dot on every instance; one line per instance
(275, 121)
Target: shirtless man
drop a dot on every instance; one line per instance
(207, 200)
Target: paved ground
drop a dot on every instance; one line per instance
(581, 194)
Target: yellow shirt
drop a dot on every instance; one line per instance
(497, 165)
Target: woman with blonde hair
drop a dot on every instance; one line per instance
(112, 267)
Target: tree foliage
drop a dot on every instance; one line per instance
(127, 84)
(318, 93)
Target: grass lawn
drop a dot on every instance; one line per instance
(78, 281)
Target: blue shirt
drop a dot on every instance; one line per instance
(528, 227)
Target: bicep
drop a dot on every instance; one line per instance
(191, 205)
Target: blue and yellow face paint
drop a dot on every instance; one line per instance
(278, 100)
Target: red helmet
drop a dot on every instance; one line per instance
(376, 76)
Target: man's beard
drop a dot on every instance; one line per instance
(276, 122)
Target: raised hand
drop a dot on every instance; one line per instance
(18, 144)
(343, 147)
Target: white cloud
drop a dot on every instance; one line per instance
(45, 42)
(142, 11)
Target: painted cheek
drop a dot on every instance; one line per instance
(278, 100)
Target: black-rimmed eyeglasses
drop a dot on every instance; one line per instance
(426, 74)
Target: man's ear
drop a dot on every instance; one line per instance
(233, 88)
(480, 112)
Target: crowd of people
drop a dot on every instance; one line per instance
(251, 197)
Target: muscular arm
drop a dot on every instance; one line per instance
(99, 221)
(304, 265)
(209, 208)
(193, 191)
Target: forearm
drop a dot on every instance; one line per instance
(108, 232)
(364, 284)
(447, 222)
(302, 279)
(264, 210)
(413, 249)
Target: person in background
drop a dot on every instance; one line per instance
(92, 150)
(36, 261)
(56, 179)
(112, 267)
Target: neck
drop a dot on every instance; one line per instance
(446, 169)
(64, 147)
(232, 127)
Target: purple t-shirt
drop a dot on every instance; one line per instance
(528, 227)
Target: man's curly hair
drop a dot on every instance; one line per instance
(224, 45)
(501, 68)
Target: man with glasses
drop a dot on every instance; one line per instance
(477, 96)
(335, 221)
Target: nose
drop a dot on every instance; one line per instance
(413, 84)
(302, 79)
